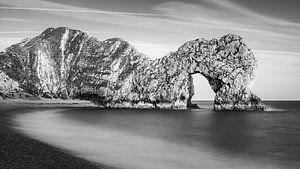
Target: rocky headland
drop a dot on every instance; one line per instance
(68, 64)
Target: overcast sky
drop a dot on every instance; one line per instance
(271, 28)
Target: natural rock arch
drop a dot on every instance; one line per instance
(68, 63)
(227, 64)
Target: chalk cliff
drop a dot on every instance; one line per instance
(66, 63)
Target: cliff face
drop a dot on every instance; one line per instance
(66, 63)
(8, 87)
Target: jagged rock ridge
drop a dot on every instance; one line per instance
(66, 63)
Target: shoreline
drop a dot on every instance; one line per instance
(20, 151)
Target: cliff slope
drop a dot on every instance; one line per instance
(66, 63)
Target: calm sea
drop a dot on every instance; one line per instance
(173, 139)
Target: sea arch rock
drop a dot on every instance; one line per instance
(66, 63)
(229, 66)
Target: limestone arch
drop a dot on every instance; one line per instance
(229, 66)
(113, 74)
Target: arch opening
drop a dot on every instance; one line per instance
(202, 95)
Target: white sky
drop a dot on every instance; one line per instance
(157, 27)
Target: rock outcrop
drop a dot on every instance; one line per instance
(66, 63)
(8, 87)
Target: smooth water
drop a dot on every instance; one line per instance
(173, 139)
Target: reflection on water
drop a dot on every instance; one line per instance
(151, 139)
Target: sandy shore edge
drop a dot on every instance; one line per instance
(19, 151)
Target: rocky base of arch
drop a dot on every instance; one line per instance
(232, 96)
(240, 106)
(238, 100)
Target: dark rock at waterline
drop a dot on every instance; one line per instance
(193, 106)
(66, 63)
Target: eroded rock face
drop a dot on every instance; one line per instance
(8, 87)
(66, 63)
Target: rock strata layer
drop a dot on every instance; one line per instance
(66, 63)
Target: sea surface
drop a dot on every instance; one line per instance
(172, 139)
